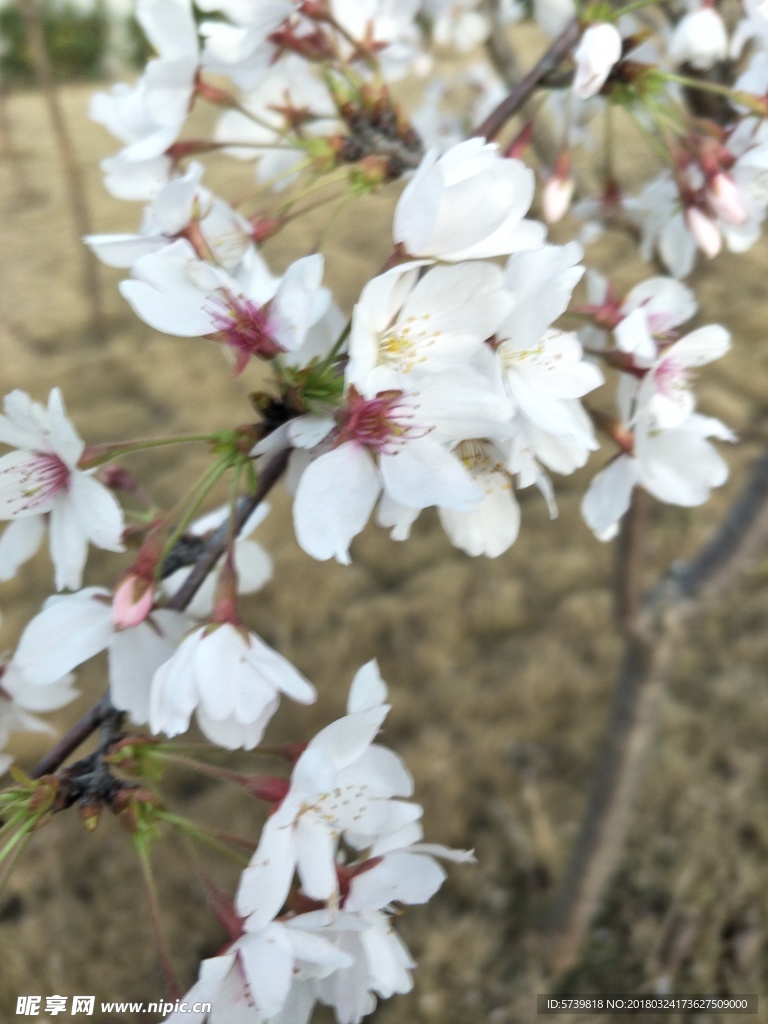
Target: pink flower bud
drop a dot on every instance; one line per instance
(726, 200)
(132, 601)
(704, 230)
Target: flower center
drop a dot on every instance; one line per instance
(380, 423)
(246, 329)
(405, 345)
(43, 478)
(671, 377)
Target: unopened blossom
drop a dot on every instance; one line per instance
(230, 679)
(70, 630)
(469, 203)
(699, 39)
(598, 51)
(343, 785)
(40, 482)
(176, 292)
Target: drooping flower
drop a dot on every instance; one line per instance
(40, 480)
(230, 679)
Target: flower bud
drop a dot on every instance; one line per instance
(704, 230)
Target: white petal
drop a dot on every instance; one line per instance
(334, 500)
(19, 542)
(64, 635)
(609, 495)
(368, 689)
(266, 881)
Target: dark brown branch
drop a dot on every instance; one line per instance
(217, 544)
(651, 631)
(214, 549)
(512, 103)
(72, 739)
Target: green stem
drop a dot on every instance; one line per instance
(635, 6)
(210, 837)
(99, 454)
(171, 981)
(203, 489)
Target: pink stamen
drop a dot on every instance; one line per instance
(379, 423)
(246, 329)
(43, 479)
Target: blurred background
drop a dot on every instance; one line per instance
(500, 672)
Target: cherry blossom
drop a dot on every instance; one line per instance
(395, 443)
(342, 785)
(41, 479)
(177, 293)
(231, 679)
(70, 630)
(469, 203)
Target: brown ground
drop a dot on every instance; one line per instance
(500, 671)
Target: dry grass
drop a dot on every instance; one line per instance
(500, 672)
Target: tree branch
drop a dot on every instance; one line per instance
(512, 103)
(651, 632)
(212, 552)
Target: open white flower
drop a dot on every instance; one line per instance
(396, 443)
(342, 785)
(41, 479)
(405, 327)
(177, 293)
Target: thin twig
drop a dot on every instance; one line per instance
(651, 634)
(211, 553)
(217, 544)
(512, 103)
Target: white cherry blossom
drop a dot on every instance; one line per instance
(469, 203)
(70, 630)
(343, 785)
(176, 292)
(395, 443)
(230, 679)
(40, 481)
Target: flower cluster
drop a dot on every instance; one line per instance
(340, 850)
